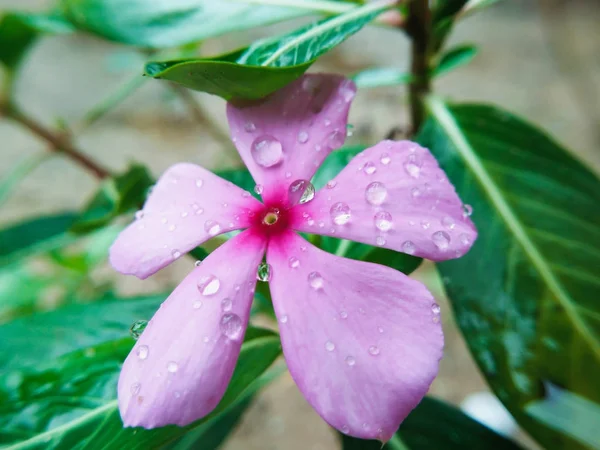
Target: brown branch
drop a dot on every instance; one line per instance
(59, 142)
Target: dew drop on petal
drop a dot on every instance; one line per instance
(226, 304)
(425, 224)
(208, 285)
(345, 429)
(464, 239)
(266, 151)
(467, 210)
(172, 228)
(448, 222)
(376, 193)
(408, 247)
(231, 326)
(137, 328)
(135, 388)
(350, 360)
(142, 351)
(300, 192)
(370, 168)
(441, 239)
(303, 137)
(329, 346)
(383, 220)
(199, 183)
(197, 263)
(374, 350)
(264, 272)
(412, 166)
(258, 189)
(340, 213)
(336, 139)
(249, 127)
(331, 184)
(175, 254)
(435, 308)
(347, 90)
(283, 319)
(385, 159)
(380, 240)
(415, 192)
(197, 304)
(311, 84)
(212, 228)
(294, 262)
(172, 366)
(315, 280)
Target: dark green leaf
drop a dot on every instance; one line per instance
(116, 196)
(381, 76)
(444, 15)
(436, 425)
(269, 64)
(456, 57)
(162, 24)
(526, 295)
(34, 236)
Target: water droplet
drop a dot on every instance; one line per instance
(345, 429)
(370, 168)
(347, 90)
(258, 189)
(284, 318)
(226, 304)
(264, 272)
(266, 151)
(249, 127)
(135, 388)
(343, 314)
(315, 280)
(184, 214)
(231, 326)
(467, 210)
(175, 254)
(383, 220)
(349, 130)
(321, 224)
(408, 247)
(197, 263)
(303, 248)
(294, 262)
(172, 228)
(139, 215)
(199, 183)
(340, 213)
(137, 328)
(300, 192)
(206, 339)
(177, 394)
(425, 224)
(288, 174)
(212, 228)
(142, 352)
(385, 159)
(336, 139)
(441, 239)
(350, 360)
(303, 137)
(208, 285)
(376, 193)
(327, 122)
(311, 84)
(172, 366)
(415, 192)
(329, 346)
(435, 308)
(412, 166)
(164, 220)
(246, 194)
(197, 304)
(380, 329)
(374, 350)
(464, 239)
(380, 240)
(331, 184)
(448, 222)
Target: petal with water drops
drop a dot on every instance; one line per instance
(392, 195)
(362, 341)
(187, 206)
(286, 136)
(182, 363)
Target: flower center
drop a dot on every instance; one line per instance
(271, 217)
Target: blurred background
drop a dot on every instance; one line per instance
(539, 59)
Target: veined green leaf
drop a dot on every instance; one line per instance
(171, 23)
(525, 296)
(269, 64)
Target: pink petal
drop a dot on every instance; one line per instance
(180, 367)
(362, 341)
(393, 195)
(287, 136)
(188, 206)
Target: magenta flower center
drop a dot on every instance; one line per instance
(272, 220)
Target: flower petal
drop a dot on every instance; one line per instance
(362, 341)
(393, 195)
(187, 206)
(180, 367)
(287, 136)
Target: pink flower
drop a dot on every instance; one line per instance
(361, 340)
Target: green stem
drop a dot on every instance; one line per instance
(418, 27)
(396, 443)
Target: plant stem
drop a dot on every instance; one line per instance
(418, 27)
(59, 142)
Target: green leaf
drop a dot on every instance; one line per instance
(67, 400)
(444, 15)
(269, 64)
(19, 171)
(436, 425)
(380, 76)
(454, 58)
(34, 236)
(162, 24)
(116, 196)
(525, 296)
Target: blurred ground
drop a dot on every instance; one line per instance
(538, 59)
